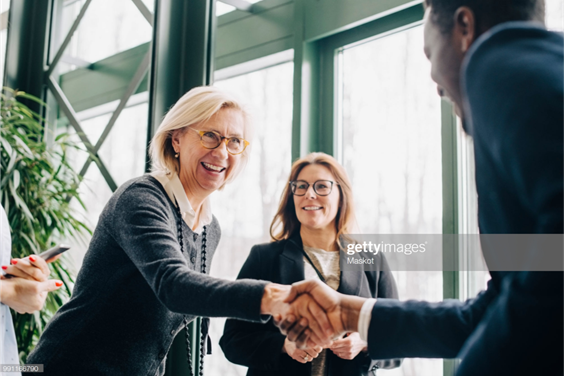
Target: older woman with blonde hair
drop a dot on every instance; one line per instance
(143, 277)
(311, 226)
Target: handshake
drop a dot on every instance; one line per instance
(311, 313)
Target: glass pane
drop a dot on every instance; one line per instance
(391, 132)
(95, 193)
(3, 36)
(129, 134)
(555, 15)
(108, 27)
(222, 8)
(472, 281)
(246, 207)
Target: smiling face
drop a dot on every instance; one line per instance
(203, 171)
(314, 211)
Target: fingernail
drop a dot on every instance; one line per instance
(14, 262)
(32, 258)
(58, 284)
(4, 267)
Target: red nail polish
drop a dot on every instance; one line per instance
(14, 262)
(4, 267)
(32, 258)
(58, 284)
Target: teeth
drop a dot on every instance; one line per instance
(212, 167)
(312, 208)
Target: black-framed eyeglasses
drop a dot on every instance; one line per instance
(320, 187)
(212, 139)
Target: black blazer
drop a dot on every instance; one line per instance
(259, 346)
(514, 88)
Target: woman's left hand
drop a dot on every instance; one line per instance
(348, 347)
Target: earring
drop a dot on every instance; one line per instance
(176, 155)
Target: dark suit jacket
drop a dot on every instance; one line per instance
(259, 346)
(513, 84)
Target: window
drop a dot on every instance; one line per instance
(105, 29)
(129, 133)
(390, 116)
(554, 15)
(108, 27)
(246, 207)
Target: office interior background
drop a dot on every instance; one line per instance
(346, 77)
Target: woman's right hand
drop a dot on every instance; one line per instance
(302, 356)
(26, 295)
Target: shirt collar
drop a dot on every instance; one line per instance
(173, 187)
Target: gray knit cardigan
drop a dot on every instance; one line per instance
(134, 288)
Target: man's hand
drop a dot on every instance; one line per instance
(349, 347)
(25, 295)
(309, 319)
(302, 356)
(341, 310)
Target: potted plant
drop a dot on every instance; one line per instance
(37, 184)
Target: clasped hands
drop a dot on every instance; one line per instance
(310, 313)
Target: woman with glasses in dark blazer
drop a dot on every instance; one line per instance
(314, 217)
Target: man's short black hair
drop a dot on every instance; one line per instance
(487, 13)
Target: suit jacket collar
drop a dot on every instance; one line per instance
(292, 268)
(291, 261)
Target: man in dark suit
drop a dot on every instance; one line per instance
(506, 81)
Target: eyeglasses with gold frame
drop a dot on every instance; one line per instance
(212, 139)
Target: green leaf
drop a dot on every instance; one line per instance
(23, 145)
(23, 94)
(6, 145)
(16, 179)
(31, 244)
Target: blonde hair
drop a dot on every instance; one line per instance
(285, 223)
(195, 107)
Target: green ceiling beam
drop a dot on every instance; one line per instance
(242, 36)
(328, 17)
(105, 80)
